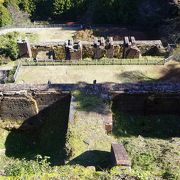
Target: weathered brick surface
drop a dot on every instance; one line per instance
(24, 105)
(119, 156)
(16, 108)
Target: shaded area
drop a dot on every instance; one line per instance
(153, 124)
(135, 76)
(99, 159)
(43, 134)
(171, 74)
(154, 116)
(119, 32)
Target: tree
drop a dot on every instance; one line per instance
(5, 17)
(28, 6)
(61, 6)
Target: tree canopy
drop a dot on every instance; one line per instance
(150, 12)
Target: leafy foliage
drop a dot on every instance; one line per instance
(5, 18)
(103, 11)
(115, 11)
(8, 46)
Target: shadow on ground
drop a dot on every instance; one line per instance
(170, 73)
(44, 134)
(99, 159)
(50, 137)
(152, 126)
(134, 76)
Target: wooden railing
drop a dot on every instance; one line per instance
(141, 61)
(42, 26)
(17, 71)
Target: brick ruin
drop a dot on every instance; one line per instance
(20, 101)
(129, 48)
(24, 48)
(32, 102)
(29, 107)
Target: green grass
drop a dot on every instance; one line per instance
(145, 60)
(155, 126)
(76, 74)
(152, 147)
(88, 103)
(32, 37)
(152, 142)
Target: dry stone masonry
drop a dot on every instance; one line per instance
(21, 105)
(129, 48)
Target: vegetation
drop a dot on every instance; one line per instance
(103, 11)
(5, 18)
(8, 46)
(49, 151)
(10, 76)
(153, 151)
(153, 155)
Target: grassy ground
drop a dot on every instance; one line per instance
(75, 74)
(55, 35)
(105, 73)
(46, 35)
(153, 151)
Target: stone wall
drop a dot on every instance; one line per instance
(100, 48)
(25, 105)
(147, 103)
(48, 52)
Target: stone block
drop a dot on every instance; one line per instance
(132, 52)
(119, 156)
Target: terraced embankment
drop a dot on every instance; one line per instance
(37, 124)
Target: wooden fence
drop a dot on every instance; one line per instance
(17, 71)
(141, 61)
(43, 26)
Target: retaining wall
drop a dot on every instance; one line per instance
(148, 103)
(27, 104)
